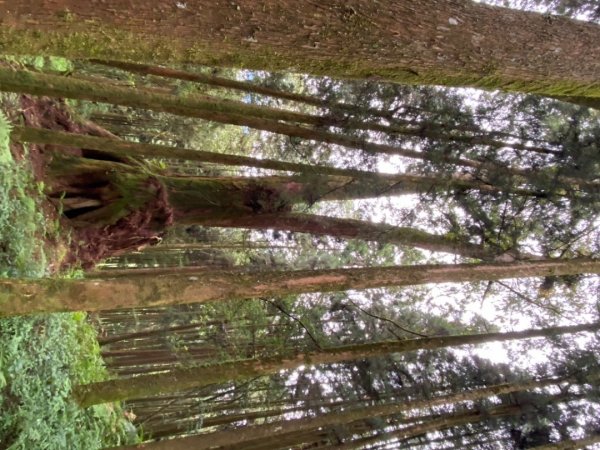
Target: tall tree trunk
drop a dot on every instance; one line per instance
(124, 149)
(334, 107)
(429, 131)
(276, 429)
(445, 42)
(359, 229)
(183, 379)
(142, 334)
(181, 286)
(396, 126)
(246, 86)
(450, 420)
(117, 206)
(570, 444)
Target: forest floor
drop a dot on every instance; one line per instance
(43, 356)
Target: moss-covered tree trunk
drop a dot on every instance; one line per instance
(216, 110)
(396, 127)
(446, 42)
(196, 377)
(281, 428)
(181, 286)
(126, 149)
(100, 192)
(117, 205)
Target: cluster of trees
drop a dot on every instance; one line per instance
(500, 188)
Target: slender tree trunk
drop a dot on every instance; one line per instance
(147, 333)
(191, 106)
(358, 229)
(123, 149)
(277, 429)
(446, 42)
(181, 286)
(245, 86)
(182, 379)
(444, 422)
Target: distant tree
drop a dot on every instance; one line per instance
(182, 379)
(278, 430)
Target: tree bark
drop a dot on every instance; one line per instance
(183, 379)
(96, 192)
(245, 86)
(444, 42)
(181, 286)
(142, 334)
(337, 418)
(195, 106)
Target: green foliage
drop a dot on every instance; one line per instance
(40, 359)
(5, 129)
(20, 217)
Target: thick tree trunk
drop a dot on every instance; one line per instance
(96, 194)
(181, 286)
(277, 429)
(446, 42)
(183, 379)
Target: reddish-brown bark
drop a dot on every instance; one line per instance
(451, 42)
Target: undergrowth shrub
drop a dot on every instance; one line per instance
(40, 359)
